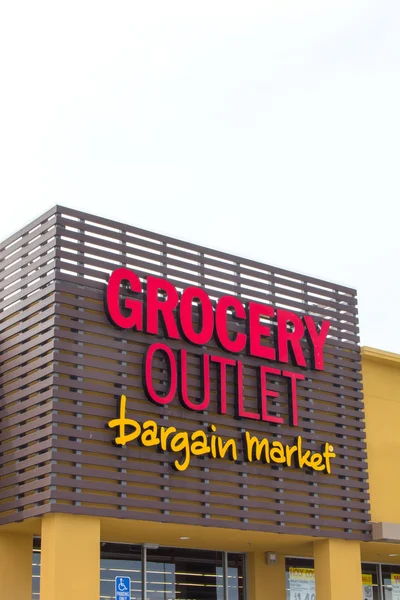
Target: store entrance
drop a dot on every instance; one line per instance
(158, 573)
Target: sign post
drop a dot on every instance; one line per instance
(122, 588)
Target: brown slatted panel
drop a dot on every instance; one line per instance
(95, 363)
(26, 368)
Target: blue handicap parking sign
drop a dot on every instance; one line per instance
(122, 588)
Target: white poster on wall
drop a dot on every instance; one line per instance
(395, 581)
(367, 587)
(302, 584)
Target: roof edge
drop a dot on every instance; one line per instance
(380, 355)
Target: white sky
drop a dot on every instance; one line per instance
(267, 129)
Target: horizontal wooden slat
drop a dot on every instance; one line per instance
(103, 224)
(273, 288)
(30, 231)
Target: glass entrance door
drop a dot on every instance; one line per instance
(159, 573)
(184, 574)
(163, 573)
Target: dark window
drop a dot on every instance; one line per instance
(236, 579)
(36, 575)
(184, 574)
(370, 582)
(36, 569)
(391, 581)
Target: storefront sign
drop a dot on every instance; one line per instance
(161, 303)
(159, 380)
(301, 584)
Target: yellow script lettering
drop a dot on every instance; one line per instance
(122, 422)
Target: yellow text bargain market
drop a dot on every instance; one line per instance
(199, 443)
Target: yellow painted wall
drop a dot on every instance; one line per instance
(337, 561)
(265, 582)
(15, 566)
(70, 558)
(381, 377)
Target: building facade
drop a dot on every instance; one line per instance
(181, 423)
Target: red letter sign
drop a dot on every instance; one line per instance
(286, 337)
(156, 306)
(318, 340)
(203, 336)
(257, 330)
(135, 318)
(221, 326)
(148, 374)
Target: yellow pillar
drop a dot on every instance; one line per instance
(265, 582)
(16, 566)
(337, 570)
(70, 562)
